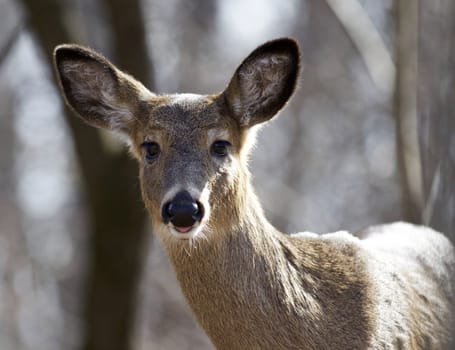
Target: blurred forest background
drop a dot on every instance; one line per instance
(368, 138)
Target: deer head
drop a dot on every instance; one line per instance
(192, 149)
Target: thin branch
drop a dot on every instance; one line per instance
(9, 44)
(430, 203)
(366, 38)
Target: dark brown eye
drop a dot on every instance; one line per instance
(152, 150)
(220, 148)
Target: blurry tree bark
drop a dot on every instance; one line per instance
(196, 22)
(436, 102)
(436, 105)
(10, 218)
(112, 190)
(408, 153)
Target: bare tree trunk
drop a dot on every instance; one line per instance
(128, 32)
(408, 152)
(199, 17)
(111, 183)
(10, 219)
(436, 102)
(437, 112)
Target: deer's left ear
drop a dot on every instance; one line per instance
(96, 90)
(264, 82)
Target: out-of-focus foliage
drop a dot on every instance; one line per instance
(328, 162)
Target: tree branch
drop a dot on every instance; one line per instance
(366, 38)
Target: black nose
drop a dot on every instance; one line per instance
(182, 210)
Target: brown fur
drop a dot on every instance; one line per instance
(250, 286)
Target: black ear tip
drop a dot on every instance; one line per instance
(65, 51)
(62, 48)
(284, 42)
(283, 45)
(72, 52)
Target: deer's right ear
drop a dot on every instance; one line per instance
(96, 90)
(264, 82)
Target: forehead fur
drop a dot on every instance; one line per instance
(183, 113)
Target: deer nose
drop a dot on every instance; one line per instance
(182, 211)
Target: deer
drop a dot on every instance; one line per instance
(249, 285)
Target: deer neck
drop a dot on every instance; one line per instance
(237, 272)
(239, 229)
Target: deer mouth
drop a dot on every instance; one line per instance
(183, 229)
(184, 232)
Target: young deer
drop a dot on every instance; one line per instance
(249, 285)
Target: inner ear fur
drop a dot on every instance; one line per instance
(264, 82)
(95, 89)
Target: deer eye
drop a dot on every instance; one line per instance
(152, 150)
(220, 148)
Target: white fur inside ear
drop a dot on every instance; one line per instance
(118, 113)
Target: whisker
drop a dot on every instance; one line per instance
(203, 236)
(188, 252)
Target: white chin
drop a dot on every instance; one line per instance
(184, 235)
